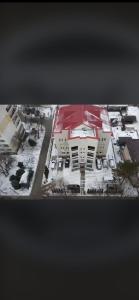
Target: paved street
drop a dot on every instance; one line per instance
(36, 189)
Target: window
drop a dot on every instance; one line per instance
(89, 165)
(90, 154)
(76, 161)
(74, 154)
(91, 148)
(89, 161)
(17, 123)
(74, 148)
(21, 128)
(12, 112)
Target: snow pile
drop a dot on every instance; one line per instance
(117, 132)
(129, 190)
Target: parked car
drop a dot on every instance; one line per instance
(112, 163)
(99, 163)
(67, 163)
(53, 164)
(60, 165)
(105, 163)
(74, 188)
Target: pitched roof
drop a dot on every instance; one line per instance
(69, 117)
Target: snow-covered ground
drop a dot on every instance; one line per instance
(48, 110)
(129, 190)
(93, 179)
(134, 111)
(98, 179)
(30, 157)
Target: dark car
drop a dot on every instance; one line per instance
(67, 163)
(74, 188)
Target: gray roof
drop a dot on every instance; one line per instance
(129, 119)
(133, 148)
(122, 141)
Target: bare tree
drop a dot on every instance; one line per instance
(5, 163)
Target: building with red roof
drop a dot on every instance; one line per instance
(82, 132)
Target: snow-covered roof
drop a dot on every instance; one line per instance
(86, 132)
(71, 116)
(118, 132)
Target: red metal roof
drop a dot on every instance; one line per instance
(69, 117)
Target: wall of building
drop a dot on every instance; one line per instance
(82, 150)
(126, 155)
(11, 128)
(104, 138)
(61, 142)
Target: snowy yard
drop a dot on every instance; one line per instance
(30, 157)
(93, 179)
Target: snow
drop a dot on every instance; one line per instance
(98, 179)
(82, 133)
(24, 177)
(95, 179)
(134, 111)
(129, 190)
(30, 157)
(48, 110)
(106, 127)
(117, 132)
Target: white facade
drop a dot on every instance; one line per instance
(11, 129)
(82, 149)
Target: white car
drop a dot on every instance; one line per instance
(112, 163)
(53, 163)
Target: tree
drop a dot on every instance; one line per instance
(127, 169)
(5, 163)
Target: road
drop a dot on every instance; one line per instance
(36, 189)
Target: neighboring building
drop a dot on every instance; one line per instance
(82, 132)
(120, 108)
(11, 129)
(129, 119)
(130, 149)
